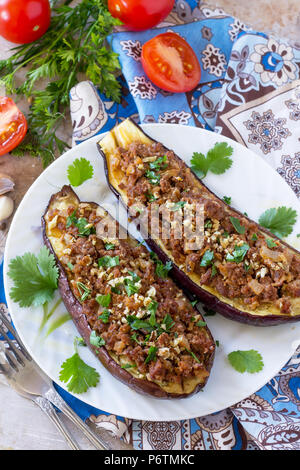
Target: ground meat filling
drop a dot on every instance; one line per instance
(141, 317)
(236, 258)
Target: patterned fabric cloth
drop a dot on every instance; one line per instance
(249, 91)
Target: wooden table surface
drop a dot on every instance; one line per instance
(22, 424)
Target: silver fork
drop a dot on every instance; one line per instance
(24, 375)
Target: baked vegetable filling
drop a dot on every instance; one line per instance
(133, 309)
(237, 259)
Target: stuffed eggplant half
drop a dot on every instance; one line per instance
(241, 270)
(137, 321)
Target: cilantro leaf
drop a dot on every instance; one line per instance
(279, 221)
(246, 361)
(238, 254)
(271, 243)
(153, 177)
(109, 261)
(103, 300)
(152, 308)
(227, 199)
(35, 278)
(168, 321)
(96, 340)
(109, 246)
(137, 324)
(159, 163)
(151, 354)
(217, 160)
(78, 375)
(237, 225)
(178, 205)
(161, 269)
(84, 227)
(105, 315)
(81, 170)
(207, 258)
(130, 284)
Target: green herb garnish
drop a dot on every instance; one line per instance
(238, 254)
(150, 197)
(35, 278)
(153, 177)
(84, 227)
(137, 324)
(201, 323)
(214, 271)
(105, 315)
(109, 261)
(193, 355)
(207, 258)
(109, 246)
(227, 199)
(168, 322)
(130, 284)
(178, 205)
(279, 221)
(81, 170)
(103, 300)
(78, 375)
(84, 291)
(152, 308)
(162, 270)
(246, 361)
(237, 225)
(216, 160)
(159, 163)
(151, 354)
(271, 243)
(96, 340)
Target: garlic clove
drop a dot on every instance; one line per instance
(6, 183)
(6, 207)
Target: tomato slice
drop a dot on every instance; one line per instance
(170, 63)
(13, 125)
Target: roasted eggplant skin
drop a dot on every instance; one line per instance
(136, 134)
(74, 307)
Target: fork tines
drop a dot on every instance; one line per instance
(20, 351)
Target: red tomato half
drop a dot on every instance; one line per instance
(170, 63)
(140, 14)
(24, 21)
(13, 125)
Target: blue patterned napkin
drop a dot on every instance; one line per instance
(249, 91)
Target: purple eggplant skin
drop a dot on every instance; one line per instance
(74, 307)
(209, 300)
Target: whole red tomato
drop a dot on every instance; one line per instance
(140, 14)
(23, 21)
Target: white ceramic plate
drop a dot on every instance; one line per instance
(253, 186)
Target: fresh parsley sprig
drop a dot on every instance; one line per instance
(217, 160)
(75, 43)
